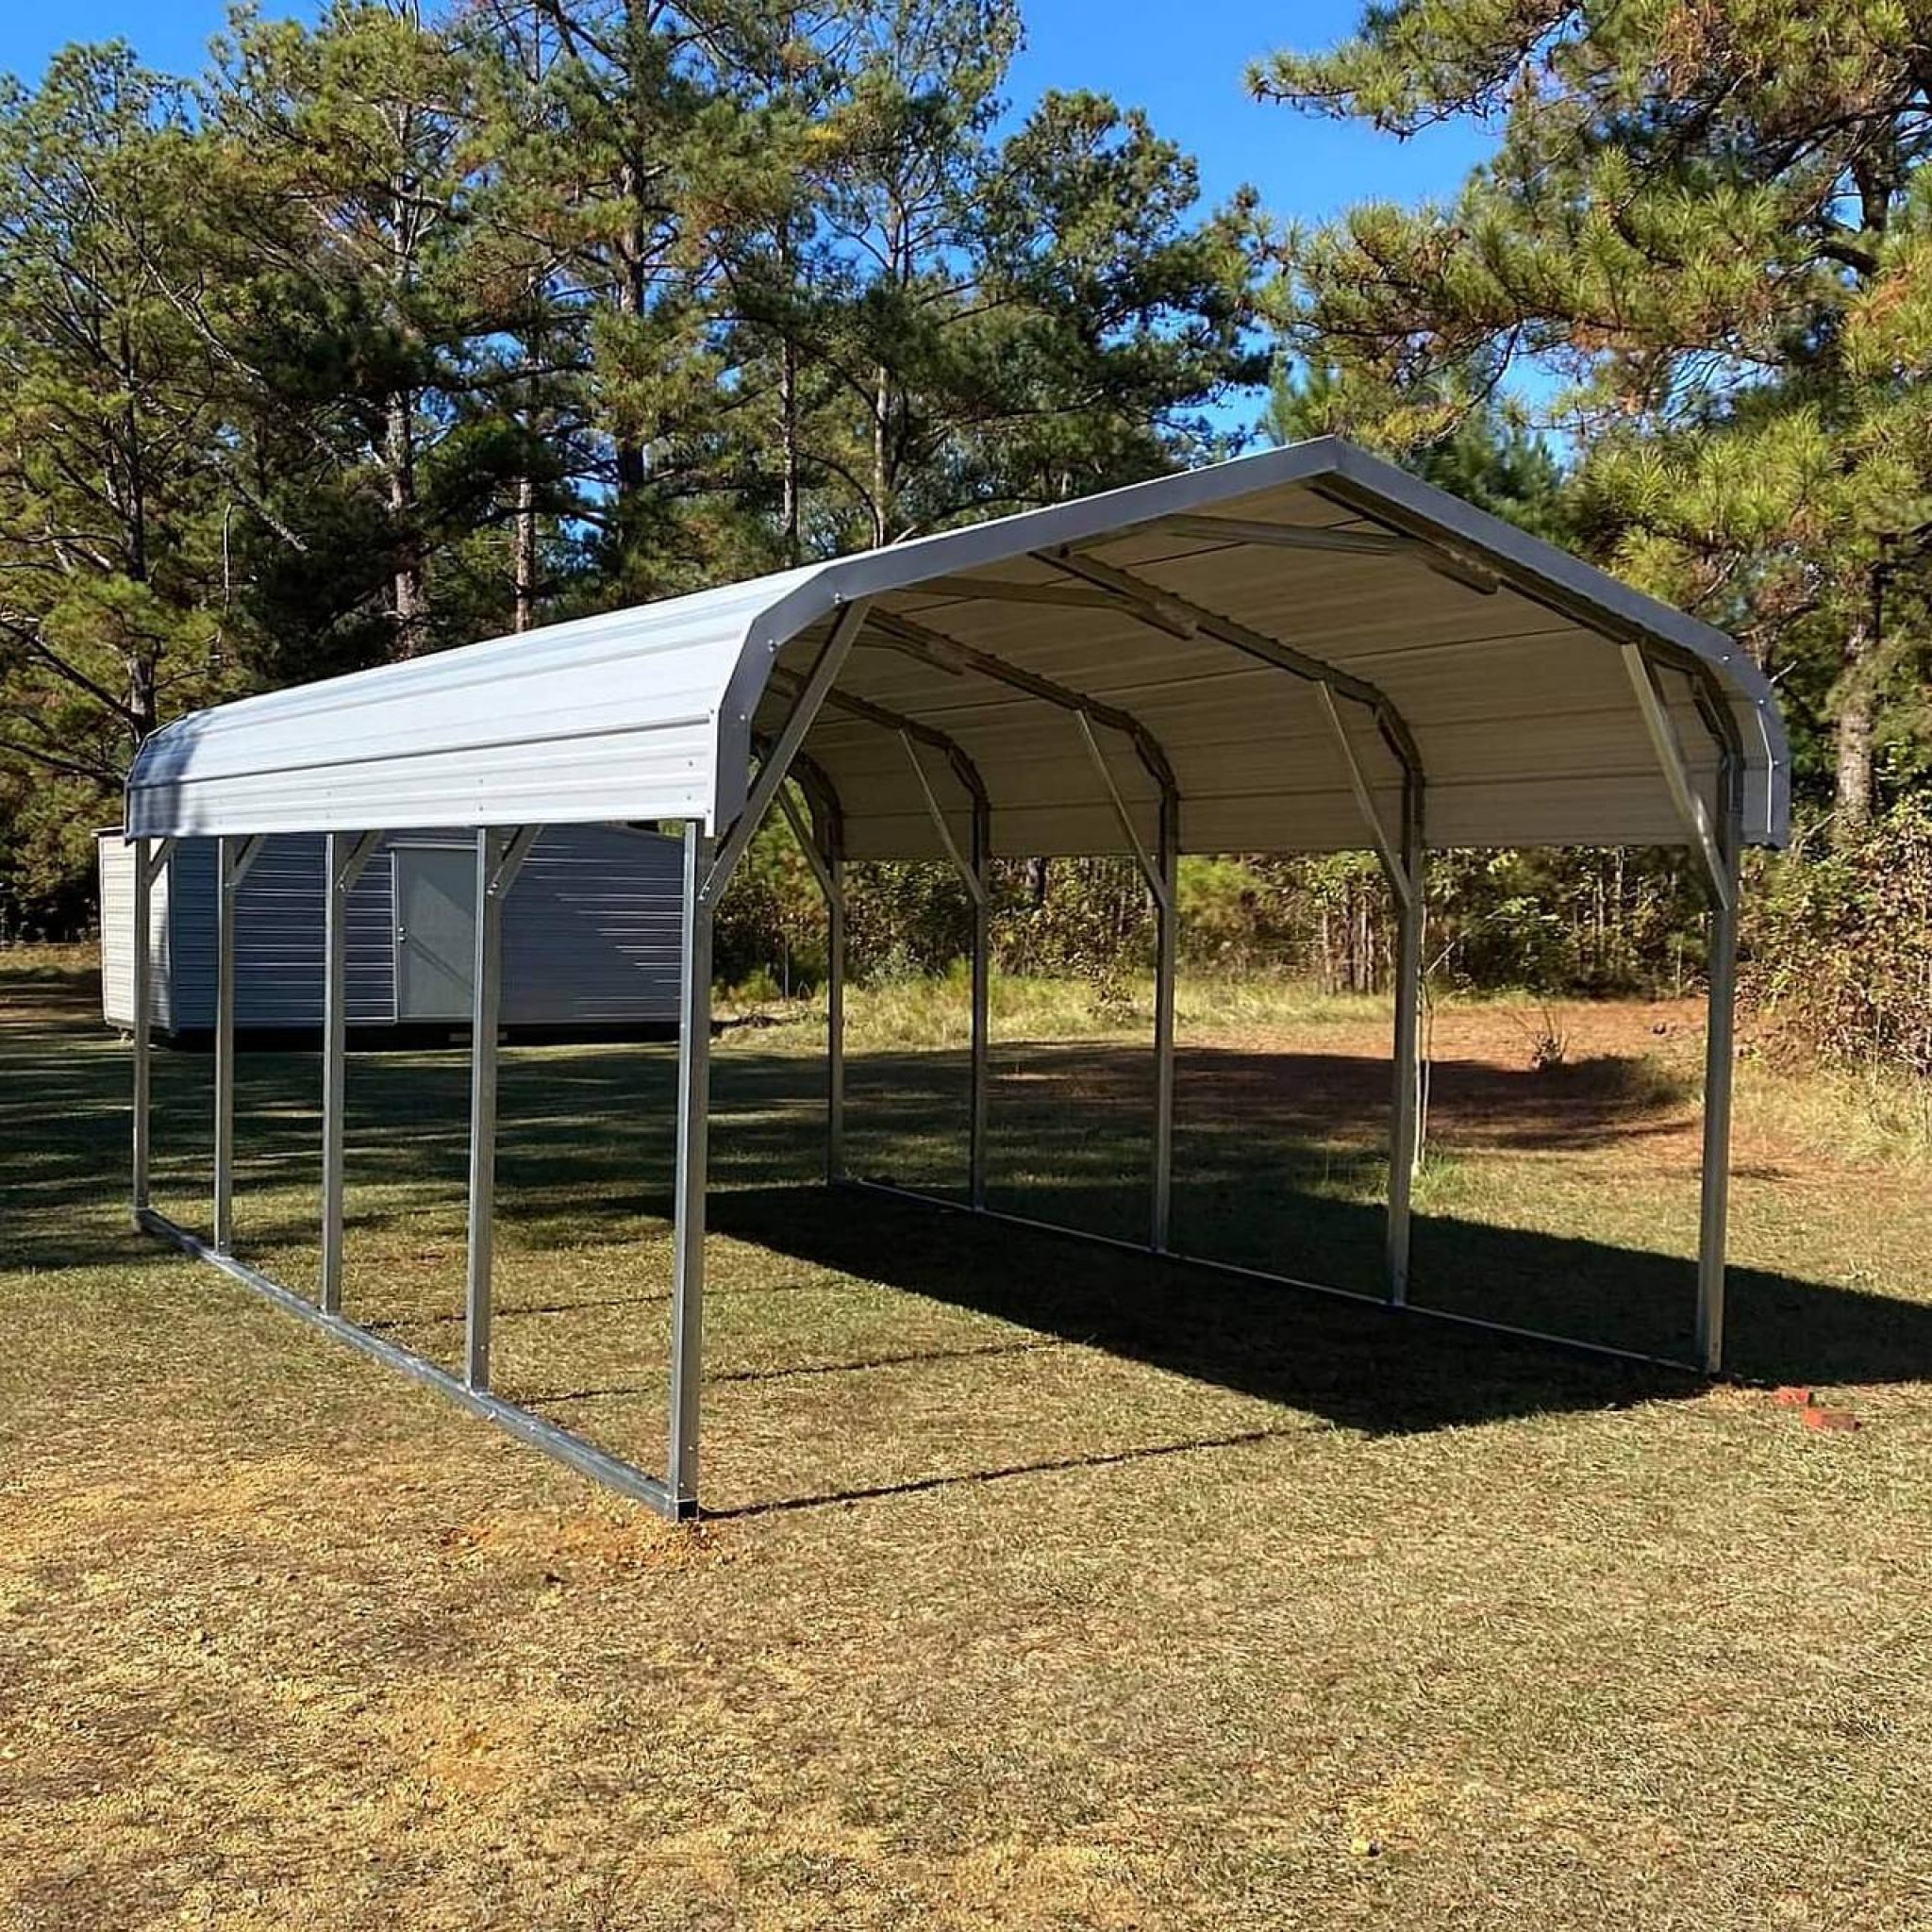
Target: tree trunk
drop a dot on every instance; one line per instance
(1852, 730)
(143, 699)
(787, 421)
(881, 479)
(632, 254)
(523, 556)
(411, 608)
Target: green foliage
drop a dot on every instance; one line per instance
(1840, 944)
(391, 333)
(1489, 458)
(115, 594)
(1710, 224)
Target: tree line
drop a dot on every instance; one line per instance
(396, 329)
(391, 332)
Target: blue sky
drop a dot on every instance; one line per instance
(1189, 79)
(1187, 75)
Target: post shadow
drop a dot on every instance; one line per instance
(1359, 1365)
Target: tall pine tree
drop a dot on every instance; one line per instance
(1709, 220)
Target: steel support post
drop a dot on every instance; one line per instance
(227, 880)
(485, 1018)
(982, 999)
(499, 855)
(343, 857)
(688, 1236)
(1404, 1118)
(334, 1049)
(1166, 959)
(1720, 1059)
(835, 1021)
(144, 869)
(829, 868)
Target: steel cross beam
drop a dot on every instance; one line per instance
(808, 844)
(1394, 864)
(970, 875)
(818, 790)
(1670, 755)
(963, 768)
(1152, 869)
(1007, 591)
(1141, 598)
(1434, 557)
(948, 652)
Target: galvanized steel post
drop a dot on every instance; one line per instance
(499, 857)
(226, 882)
(982, 996)
(835, 1020)
(1405, 1115)
(486, 1013)
(1166, 962)
(688, 1233)
(143, 1000)
(1720, 1051)
(344, 854)
(334, 1035)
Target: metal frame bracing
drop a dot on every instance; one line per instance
(1415, 527)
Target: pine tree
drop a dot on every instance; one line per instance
(345, 149)
(1489, 459)
(115, 517)
(1709, 222)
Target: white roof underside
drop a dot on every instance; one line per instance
(1497, 655)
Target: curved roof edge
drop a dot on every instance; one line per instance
(646, 712)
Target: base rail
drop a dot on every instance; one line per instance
(626, 1479)
(1542, 1337)
(558, 1443)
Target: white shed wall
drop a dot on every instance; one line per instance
(591, 933)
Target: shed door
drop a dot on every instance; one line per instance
(436, 932)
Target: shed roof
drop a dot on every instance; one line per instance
(1205, 624)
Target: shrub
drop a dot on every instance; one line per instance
(1838, 945)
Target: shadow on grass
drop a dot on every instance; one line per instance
(1279, 1162)
(1059, 1465)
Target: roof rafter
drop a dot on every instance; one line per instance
(947, 652)
(963, 768)
(1435, 556)
(1133, 590)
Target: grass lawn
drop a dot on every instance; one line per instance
(1043, 1586)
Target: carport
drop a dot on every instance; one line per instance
(1305, 650)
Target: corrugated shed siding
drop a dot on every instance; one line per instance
(279, 938)
(590, 930)
(591, 933)
(281, 935)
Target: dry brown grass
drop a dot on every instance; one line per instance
(1056, 1590)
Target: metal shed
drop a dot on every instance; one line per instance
(1304, 649)
(590, 941)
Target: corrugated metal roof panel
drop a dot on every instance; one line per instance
(1498, 656)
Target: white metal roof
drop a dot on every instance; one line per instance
(1205, 610)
